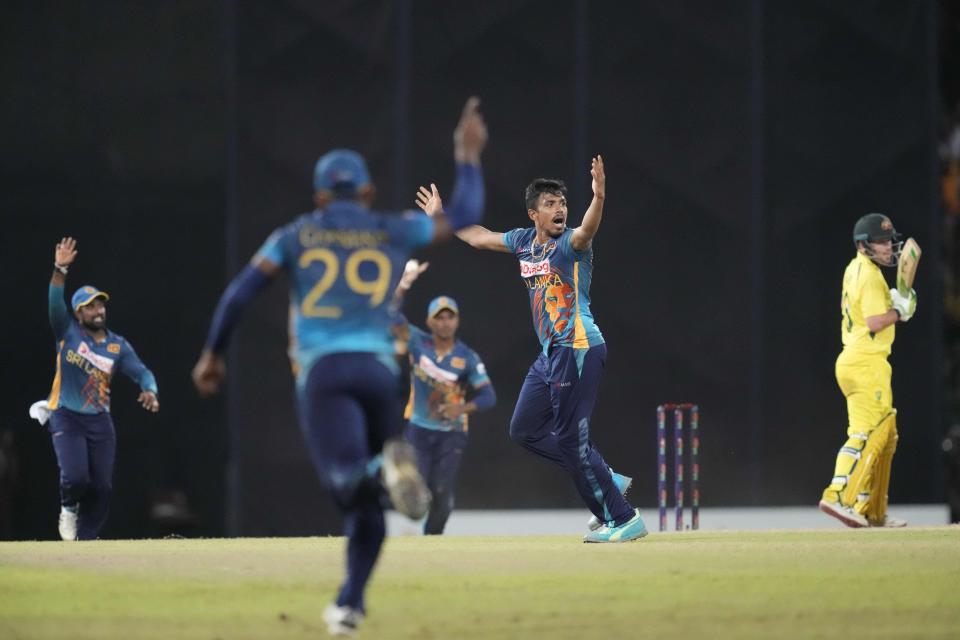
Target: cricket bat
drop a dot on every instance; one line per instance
(907, 266)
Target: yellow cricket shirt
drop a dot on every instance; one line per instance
(865, 294)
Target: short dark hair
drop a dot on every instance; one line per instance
(543, 185)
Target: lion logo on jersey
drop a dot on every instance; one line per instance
(559, 300)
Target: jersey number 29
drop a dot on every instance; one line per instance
(376, 289)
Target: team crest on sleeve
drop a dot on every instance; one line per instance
(482, 370)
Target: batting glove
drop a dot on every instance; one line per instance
(906, 305)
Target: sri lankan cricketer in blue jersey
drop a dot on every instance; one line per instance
(343, 261)
(552, 415)
(448, 382)
(88, 355)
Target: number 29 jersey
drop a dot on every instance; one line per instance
(344, 263)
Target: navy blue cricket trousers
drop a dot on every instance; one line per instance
(552, 419)
(439, 454)
(86, 447)
(349, 406)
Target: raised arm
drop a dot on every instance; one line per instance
(476, 236)
(466, 205)
(411, 271)
(583, 235)
(63, 257)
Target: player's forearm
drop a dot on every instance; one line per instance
(399, 294)
(56, 307)
(466, 205)
(233, 303)
(485, 399)
(148, 382)
(591, 221)
(481, 238)
(878, 323)
(472, 235)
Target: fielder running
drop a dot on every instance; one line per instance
(552, 415)
(88, 354)
(857, 495)
(344, 261)
(443, 371)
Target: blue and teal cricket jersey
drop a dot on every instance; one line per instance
(85, 367)
(558, 279)
(344, 263)
(434, 382)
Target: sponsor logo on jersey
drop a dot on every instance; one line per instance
(430, 368)
(458, 363)
(482, 370)
(533, 269)
(113, 347)
(103, 363)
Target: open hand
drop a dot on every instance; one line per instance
(66, 252)
(412, 271)
(429, 200)
(148, 400)
(470, 136)
(599, 184)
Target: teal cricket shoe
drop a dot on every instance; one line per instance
(632, 529)
(623, 483)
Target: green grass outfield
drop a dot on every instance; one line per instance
(771, 584)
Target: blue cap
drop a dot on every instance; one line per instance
(85, 295)
(440, 303)
(342, 171)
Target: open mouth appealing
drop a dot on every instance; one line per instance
(558, 220)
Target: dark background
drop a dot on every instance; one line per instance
(742, 141)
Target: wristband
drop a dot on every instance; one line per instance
(61, 268)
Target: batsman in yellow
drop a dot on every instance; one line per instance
(857, 495)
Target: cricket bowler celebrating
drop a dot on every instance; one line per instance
(857, 495)
(552, 415)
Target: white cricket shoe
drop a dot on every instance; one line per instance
(846, 515)
(68, 523)
(891, 523)
(342, 621)
(407, 490)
